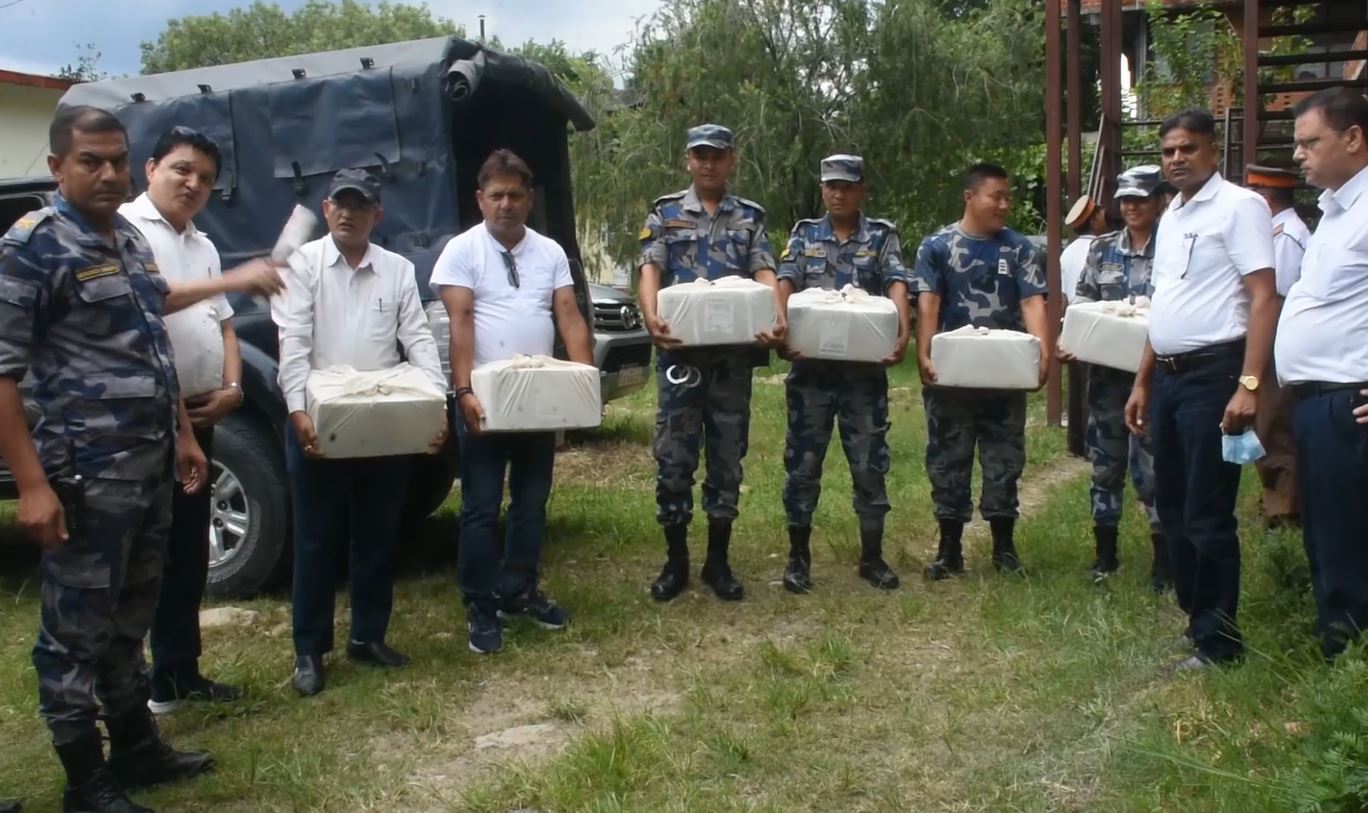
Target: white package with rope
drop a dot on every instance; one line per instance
(982, 359)
(374, 414)
(1111, 334)
(196, 329)
(537, 394)
(845, 325)
(730, 310)
(296, 232)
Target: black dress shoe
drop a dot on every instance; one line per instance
(308, 675)
(377, 653)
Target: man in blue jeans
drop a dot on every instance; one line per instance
(1210, 333)
(507, 290)
(355, 306)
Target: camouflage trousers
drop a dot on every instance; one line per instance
(958, 421)
(99, 593)
(855, 397)
(1112, 448)
(710, 410)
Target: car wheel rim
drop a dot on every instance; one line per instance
(229, 517)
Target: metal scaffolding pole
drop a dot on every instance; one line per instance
(1054, 182)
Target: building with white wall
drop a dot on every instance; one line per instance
(27, 102)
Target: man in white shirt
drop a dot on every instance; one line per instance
(507, 290)
(1210, 332)
(1322, 356)
(1278, 467)
(180, 177)
(356, 307)
(1088, 221)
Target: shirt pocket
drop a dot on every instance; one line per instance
(681, 251)
(1111, 281)
(1203, 254)
(865, 273)
(382, 319)
(105, 306)
(109, 405)
(1334, 273)
(736, 251)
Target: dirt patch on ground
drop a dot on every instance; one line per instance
(617, 463)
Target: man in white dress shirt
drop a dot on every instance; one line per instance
(180, 177)
(1278, 467)
(508, 290)
(1322, 355)
(356, 306)
(1210, 335)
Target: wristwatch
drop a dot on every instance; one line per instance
(1249, 382)
(242, 396)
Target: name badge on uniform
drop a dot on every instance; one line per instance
(680, 224)
(864, 252)
(96, 272)
(814, 251)
(1004, 269)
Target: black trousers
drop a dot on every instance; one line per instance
(175, 632)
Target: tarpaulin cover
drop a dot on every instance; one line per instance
(730, 310)
(1111, 334)
(537, 393)
(846, 325)
(374, 414)
(979, 358)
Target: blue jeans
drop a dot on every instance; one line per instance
(487, 570)
(363, 496)
(1332, 463)
(1195, 492)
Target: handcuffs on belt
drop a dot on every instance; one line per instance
(685, 374)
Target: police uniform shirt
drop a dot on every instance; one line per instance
(85, 314)
(1204, 247)
(1289, 245)
(870, 259)
(1116, 270)
(981, 280)
(685, 243)
(1321, 335)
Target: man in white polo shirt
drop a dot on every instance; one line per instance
(1211, 331)
(180, 177)
(356, 305)
(507, 290)
(1322, 355)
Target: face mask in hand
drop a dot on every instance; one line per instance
(1241, 449)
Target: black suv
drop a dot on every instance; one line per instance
(422, 116)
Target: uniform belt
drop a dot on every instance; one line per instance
(1312, 389)
(1195, 359)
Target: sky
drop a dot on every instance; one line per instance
(40, 36)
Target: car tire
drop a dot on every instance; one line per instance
(429, 485)
(250, 511)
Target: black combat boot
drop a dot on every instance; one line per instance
(139, 757)
(798, 574)
(949, 555)
(1106, 562)
(674, 576)
(1004, 549)
(1161, 579)
(716, 570)
(873, 568)
(10, 807)
(91, 786)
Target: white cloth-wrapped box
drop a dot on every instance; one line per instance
(983, 359)
(538, 394)
(197, 343)
(374, 414)
(1111, 334)
(845, 325)
(730, 310)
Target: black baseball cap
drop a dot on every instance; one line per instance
(356, 179)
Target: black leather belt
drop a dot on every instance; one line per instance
(1195, 359)
(1312, 389)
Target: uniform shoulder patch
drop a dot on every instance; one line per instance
(25, 226)
(879, 221)
(1279, 229)
(667, 198)
(752, 204)
(645, 233)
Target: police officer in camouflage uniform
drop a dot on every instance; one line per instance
(704, 393)
(977, 272)
(842, 248)
(1117, 269)
(81, 304)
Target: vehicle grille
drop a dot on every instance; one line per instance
(616, 317)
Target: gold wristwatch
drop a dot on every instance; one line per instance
(1250, 382)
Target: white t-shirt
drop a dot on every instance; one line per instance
(1072, 260)
(1323, 332)
(509, 321)
(1289, 245)
(1203, 250)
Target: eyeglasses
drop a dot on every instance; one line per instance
(512, 267)
(1306, 144)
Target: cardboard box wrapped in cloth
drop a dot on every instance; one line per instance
(1111, 334)
(374, 414)
(730, 310)
(845, 325)
(983, 359)
(538, 393)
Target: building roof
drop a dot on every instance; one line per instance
(33, 80)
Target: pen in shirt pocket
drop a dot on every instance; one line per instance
(1191, 239)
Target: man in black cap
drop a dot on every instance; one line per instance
(357, 304)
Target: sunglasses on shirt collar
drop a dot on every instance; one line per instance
(512, 266)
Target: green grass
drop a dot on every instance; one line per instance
(983, 693)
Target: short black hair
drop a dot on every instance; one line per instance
(980, 172)
(504, 162)
(1342, 108)
(1194, 120)
(83, 118)
(189, 137)
(1283, 195)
